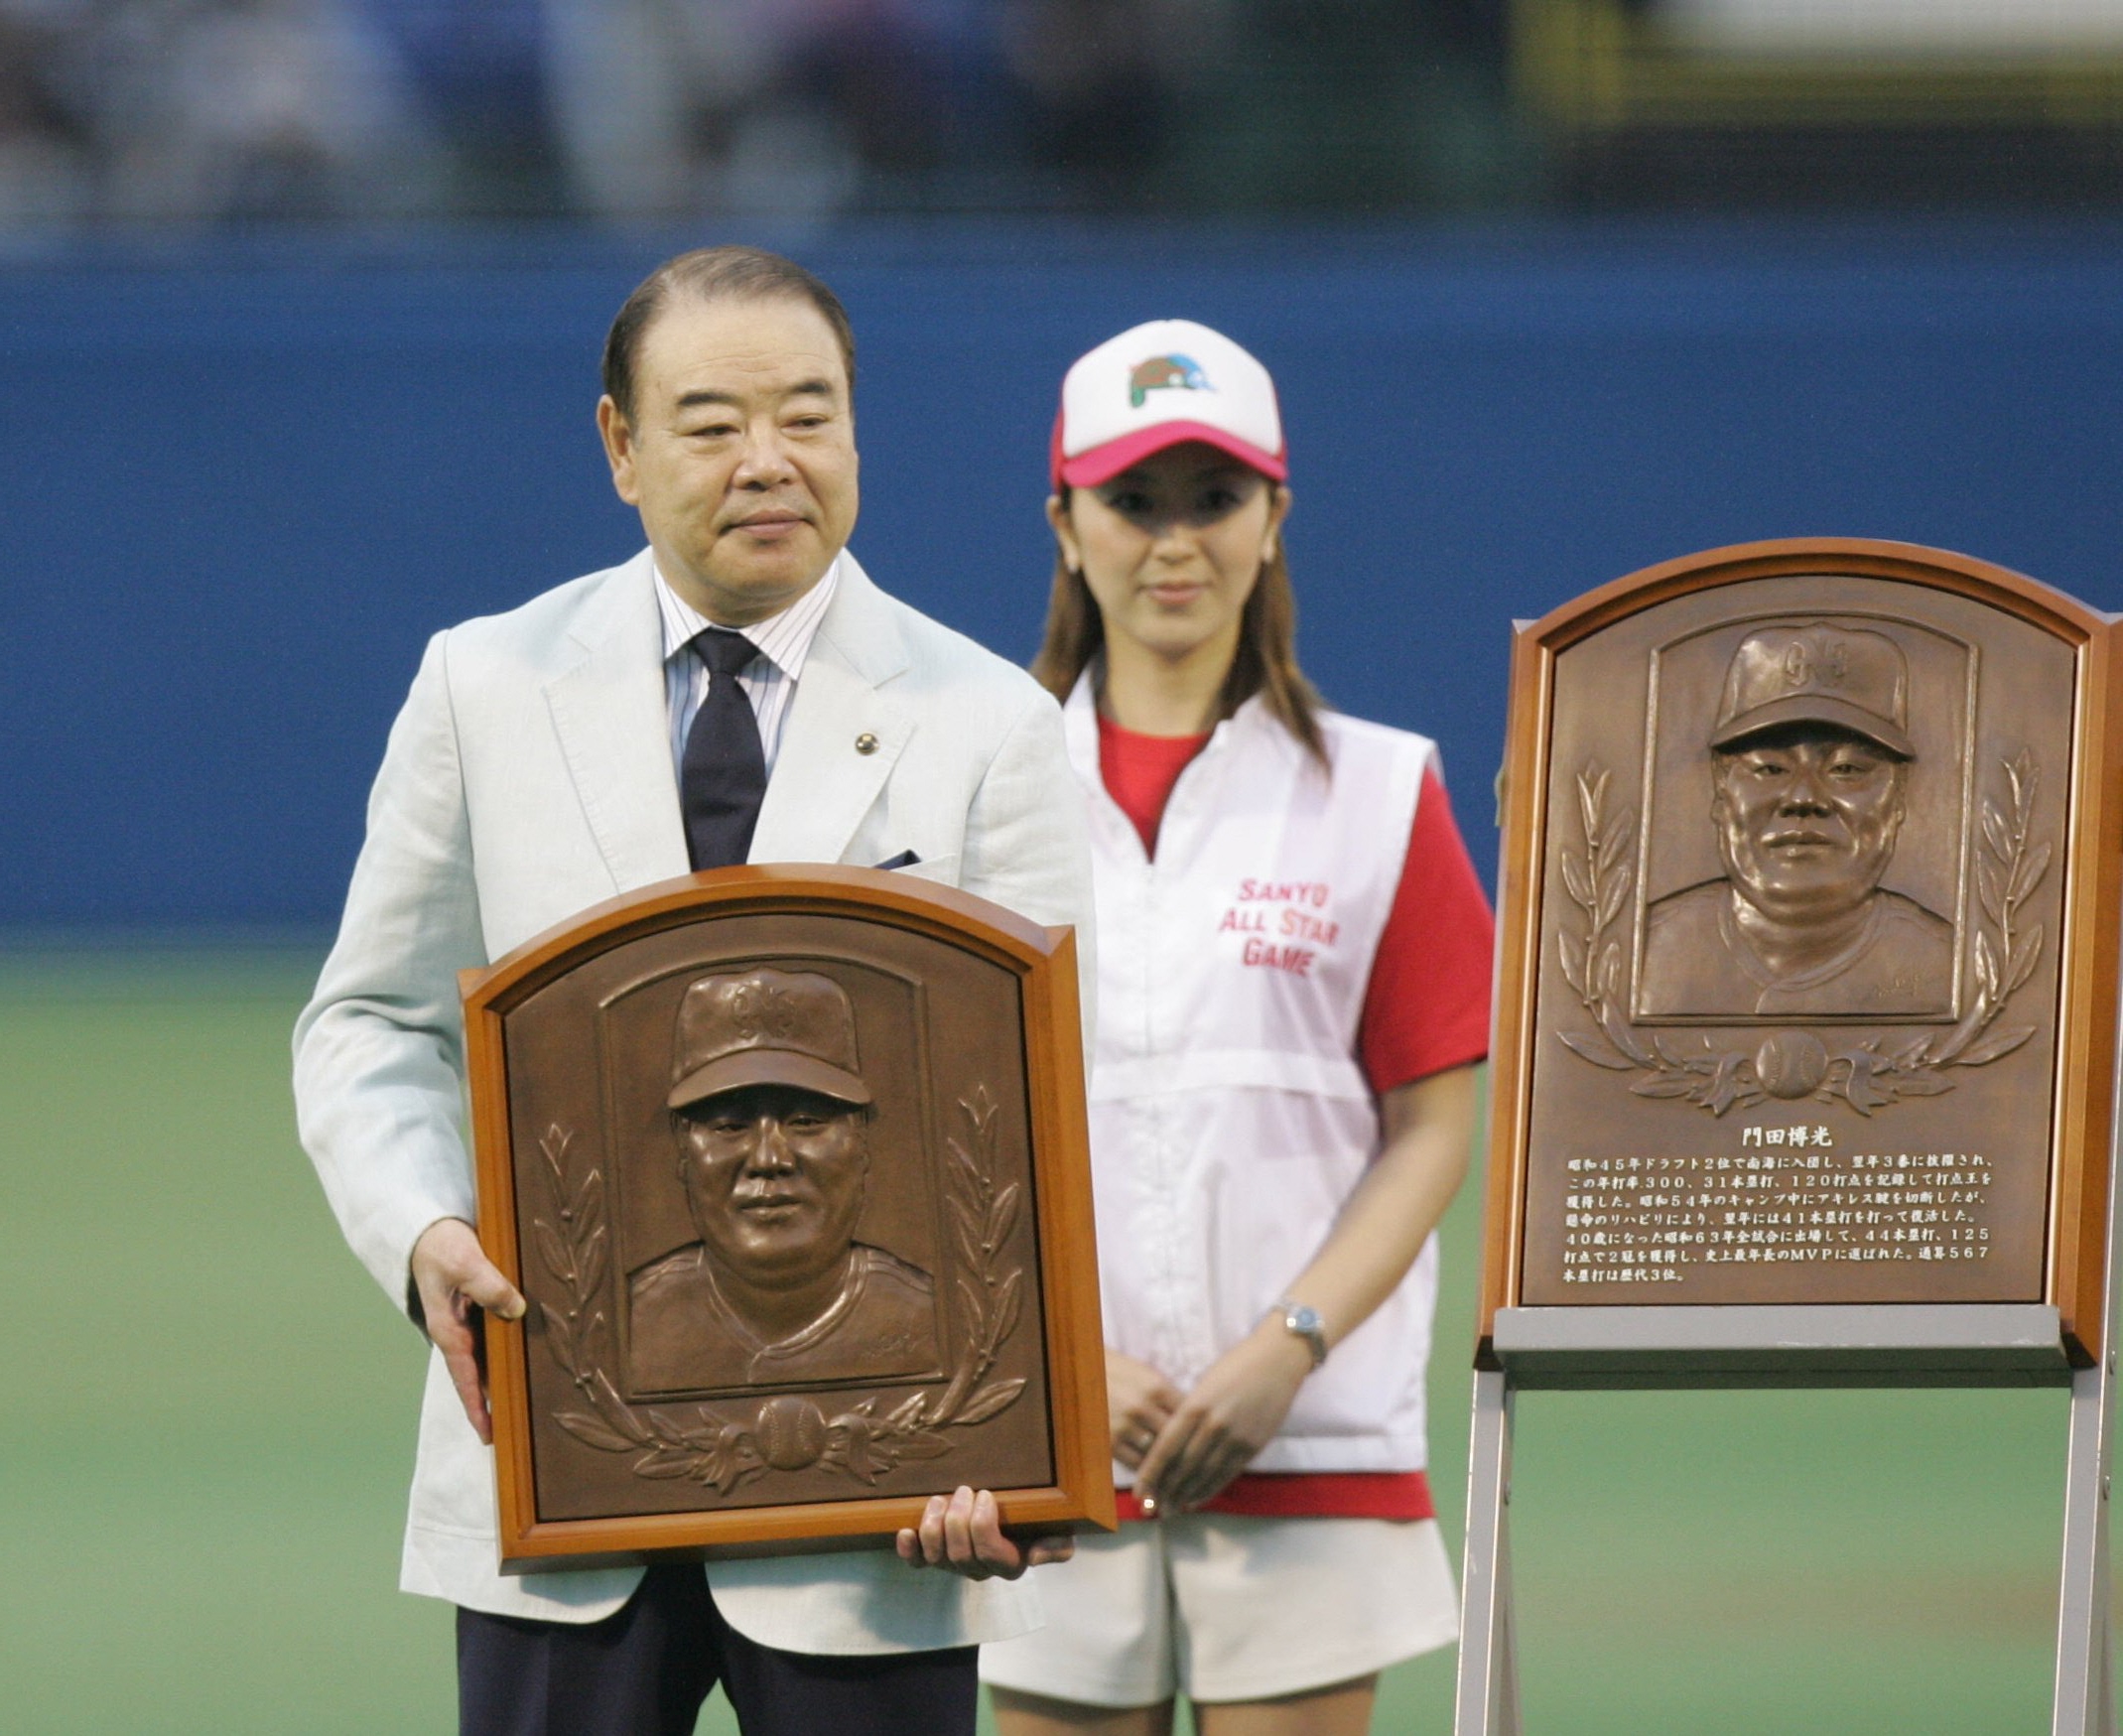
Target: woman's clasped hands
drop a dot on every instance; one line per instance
(1184, 1448)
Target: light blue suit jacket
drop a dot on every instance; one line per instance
(528, 777)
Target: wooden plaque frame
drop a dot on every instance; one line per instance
(1061, 1304)
(2090, 855)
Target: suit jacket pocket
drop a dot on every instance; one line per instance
(943, 869)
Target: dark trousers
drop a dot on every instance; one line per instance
(646, 1668)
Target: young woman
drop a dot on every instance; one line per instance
(1293, 989)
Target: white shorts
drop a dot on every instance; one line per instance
(1225, 1608)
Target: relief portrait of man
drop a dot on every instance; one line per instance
(770, 1120)
(1809, 761)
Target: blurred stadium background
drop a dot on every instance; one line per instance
(299, 302)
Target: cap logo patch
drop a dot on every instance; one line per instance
(756, 1011)
(1164, 373)
(1821, 668)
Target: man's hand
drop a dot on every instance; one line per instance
(456, 1282)
(965, 1535)
(1232, 1413)
(1139, 1401)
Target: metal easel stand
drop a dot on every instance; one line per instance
(2085, 1638)
(1486, 1703)
(1944, 1345)
(2085, 1703)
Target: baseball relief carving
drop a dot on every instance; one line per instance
(1810, 757)
(769, 1117)
(1789, 1065)
(723, 1447)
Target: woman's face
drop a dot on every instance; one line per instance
(1170, 548)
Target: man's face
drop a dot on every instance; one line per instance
(740, 453)
(1806, 819)
(774, 1177)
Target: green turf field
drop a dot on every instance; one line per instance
(209, 1422)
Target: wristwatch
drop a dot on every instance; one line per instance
(1304, 1322)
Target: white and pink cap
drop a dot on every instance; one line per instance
(1158, 385)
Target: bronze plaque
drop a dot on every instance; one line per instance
(1810, 989)
(787, 1157)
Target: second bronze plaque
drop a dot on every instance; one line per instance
(1792, 977)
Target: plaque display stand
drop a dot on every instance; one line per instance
(1944, 1215)
(1898, 1346)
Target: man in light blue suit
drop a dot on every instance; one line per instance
(552, 757)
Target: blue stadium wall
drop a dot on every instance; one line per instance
(241, 486)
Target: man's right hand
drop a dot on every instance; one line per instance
(456, 1282)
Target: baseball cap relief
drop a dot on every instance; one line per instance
(1847, 677)
(1163, 384)
(766, 1027)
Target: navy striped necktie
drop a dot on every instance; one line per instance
(721, 778)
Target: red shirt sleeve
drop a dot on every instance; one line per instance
(1427, 1008)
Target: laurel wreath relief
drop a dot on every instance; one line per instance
(724, 1447)
(1796, 1064)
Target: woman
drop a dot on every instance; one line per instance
(1294, 990)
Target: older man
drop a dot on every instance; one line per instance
(1810, 764)
(739, 690)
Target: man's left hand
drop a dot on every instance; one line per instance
(965, 1534)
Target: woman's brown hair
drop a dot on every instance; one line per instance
(1265, 662)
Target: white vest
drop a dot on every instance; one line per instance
(1229, 1117)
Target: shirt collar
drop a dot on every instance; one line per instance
(784, 639)
(1080, 720)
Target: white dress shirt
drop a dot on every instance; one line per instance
(769, 680)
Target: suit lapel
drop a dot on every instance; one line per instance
(823, 783)
(609, 712)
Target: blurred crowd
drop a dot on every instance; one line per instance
(204, 111)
